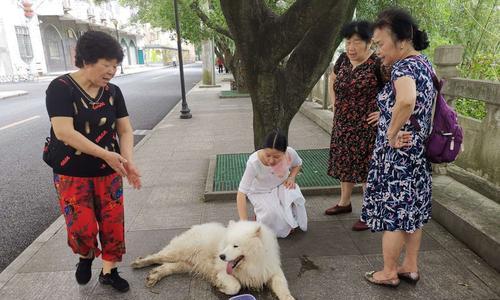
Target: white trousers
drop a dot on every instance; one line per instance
(281, 209)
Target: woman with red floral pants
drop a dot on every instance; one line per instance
(90, 150)
(91, 206)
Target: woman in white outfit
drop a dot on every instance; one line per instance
(269, 184)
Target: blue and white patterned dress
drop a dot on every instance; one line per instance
(398, 191)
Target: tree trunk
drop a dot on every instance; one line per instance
(283, 56)
(238, 73)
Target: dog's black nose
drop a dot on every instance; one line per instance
(222, 256)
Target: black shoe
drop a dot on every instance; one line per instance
(114, 280)
(84, 270)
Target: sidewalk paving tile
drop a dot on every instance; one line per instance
(321, 239)
(442, 236)
(147, 242)
(173, 287)
(371, 242)
(52, 257)
(479, 268)
(47, 285)
(443, 276)
(221, 212)
(168, 217)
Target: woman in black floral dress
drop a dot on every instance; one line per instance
(356, 78)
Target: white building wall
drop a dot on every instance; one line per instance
(49, 7)
(12, 15)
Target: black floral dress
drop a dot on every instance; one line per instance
(353, 138)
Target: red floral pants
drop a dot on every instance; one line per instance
(93, 205)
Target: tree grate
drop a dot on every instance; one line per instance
(230, 167)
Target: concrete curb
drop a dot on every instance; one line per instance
(209, 86)
(222, 96)
(473, 181)
(13, 268)
(142, 71)
(49, 77)
(10, 94)
(315, 112)
(482, 244)
(475, 224)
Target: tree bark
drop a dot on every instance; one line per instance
(283, 56)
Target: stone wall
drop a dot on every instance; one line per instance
(479, 163)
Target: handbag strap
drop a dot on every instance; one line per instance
(437, 86)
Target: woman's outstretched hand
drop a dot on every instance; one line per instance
(133, 175)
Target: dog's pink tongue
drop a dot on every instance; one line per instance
(229, 268)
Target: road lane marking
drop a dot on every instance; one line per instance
(141, 132)
(19, 122)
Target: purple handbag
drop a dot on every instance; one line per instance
(445, 140)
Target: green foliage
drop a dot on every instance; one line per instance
(482, 66)
(160, 13)
(471, 108)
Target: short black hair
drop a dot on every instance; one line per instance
(276, 140)
(94, 45)
(403, 26)
(362, 28)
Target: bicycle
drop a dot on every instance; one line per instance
(25, 75)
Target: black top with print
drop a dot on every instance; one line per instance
(96, 121)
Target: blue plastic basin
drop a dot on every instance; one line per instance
(243, 297)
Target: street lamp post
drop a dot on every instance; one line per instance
(115, 22)
(185, 111)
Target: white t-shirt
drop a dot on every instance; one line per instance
(259, 178)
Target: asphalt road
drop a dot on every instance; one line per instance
(28, 203)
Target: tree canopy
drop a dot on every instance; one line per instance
(472, 24)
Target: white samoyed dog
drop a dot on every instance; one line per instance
(244, 254)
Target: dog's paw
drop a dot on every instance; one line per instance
(152, 279)
(230, 288)
(137, 263)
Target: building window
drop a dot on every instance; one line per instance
(54, 50)
(24, 43)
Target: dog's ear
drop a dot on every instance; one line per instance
(258, 232)
(231, 223)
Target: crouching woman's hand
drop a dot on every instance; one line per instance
(290, 182)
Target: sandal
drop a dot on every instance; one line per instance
(388, 282)
(410, 277)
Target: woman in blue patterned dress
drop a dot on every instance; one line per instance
(397, 200)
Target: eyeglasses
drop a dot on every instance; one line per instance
(375, 47)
